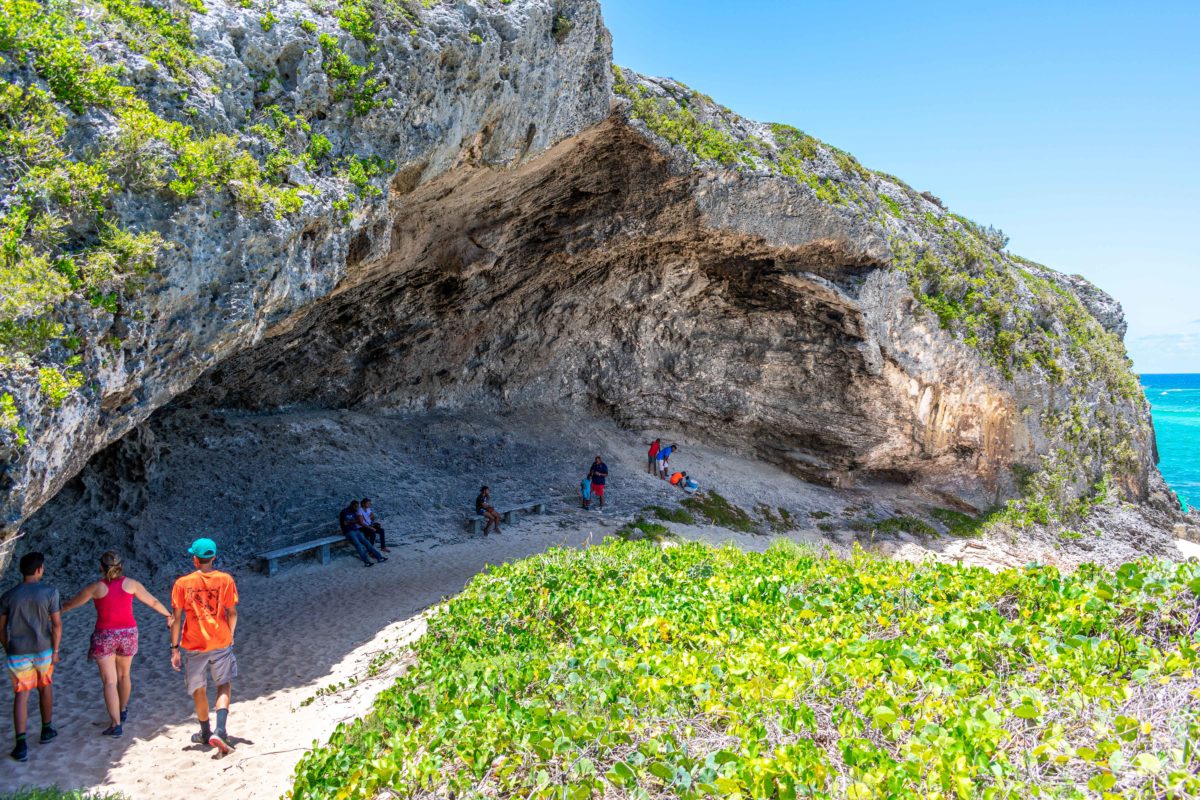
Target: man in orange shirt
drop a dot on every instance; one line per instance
(204, 616)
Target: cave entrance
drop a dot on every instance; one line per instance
(584, 292)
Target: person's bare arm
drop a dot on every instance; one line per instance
(86, 595)
(231, 615)
(4, 632)
(176, 628)
(55, 634)
(141, 593)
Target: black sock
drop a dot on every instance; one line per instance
(222, 715)
(205, 731)
(20, 738)
(47, 726)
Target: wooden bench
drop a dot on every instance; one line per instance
(270, 559)
(475, 523)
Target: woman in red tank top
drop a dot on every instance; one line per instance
(115, 639)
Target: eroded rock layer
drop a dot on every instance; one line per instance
(590, 277)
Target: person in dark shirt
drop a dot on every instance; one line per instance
(30, 633)
(483, 507)
(351, 525)
(598, 475)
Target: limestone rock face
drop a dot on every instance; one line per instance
(644, 254)
(466, 84)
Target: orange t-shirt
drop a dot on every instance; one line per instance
(676, 478)
(204, 596)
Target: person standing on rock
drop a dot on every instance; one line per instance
(204, 618)
(652, 462)
(30, 633)
(598, 475)
(115, 638)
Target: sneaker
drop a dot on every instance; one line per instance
(112, 730)
(49, 734)
(382, 559)
(217, 740)
(199, 738)
(368, 564)
(124, 715)
(384, 550)
(20, 752)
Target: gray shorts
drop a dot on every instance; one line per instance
(222, 664)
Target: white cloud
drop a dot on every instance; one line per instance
(1166, 352)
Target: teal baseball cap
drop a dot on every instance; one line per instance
(203, 548)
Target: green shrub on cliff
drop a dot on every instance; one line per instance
(59, 237)
(626, 670)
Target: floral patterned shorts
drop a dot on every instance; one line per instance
(114, 641)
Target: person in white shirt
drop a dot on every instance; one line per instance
(370, 525)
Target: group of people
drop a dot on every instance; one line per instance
(592, 485)
(658, 460)
(362, 529)
(202, 621)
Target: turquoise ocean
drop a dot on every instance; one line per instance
(1175, 406)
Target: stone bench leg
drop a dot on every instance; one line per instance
(271, 566)
(540, 508)
(475, 525)
(508, 515)
(324, 553)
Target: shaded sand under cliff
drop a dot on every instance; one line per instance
(255, 479)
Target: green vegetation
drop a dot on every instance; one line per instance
(351, 81)
(561, 27)
(717, 510)
(33, 793)
(894, 525)
(956, 522)
(780, 522)
(670, 118)
(626, 670)
(10, 420)
(680, 515)
(58, 236)
(640, 529)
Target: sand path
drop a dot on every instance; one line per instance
(308, 628)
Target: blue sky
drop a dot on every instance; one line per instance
(1074, 127)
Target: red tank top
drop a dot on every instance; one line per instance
(115, 609)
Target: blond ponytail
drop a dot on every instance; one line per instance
(110, 565)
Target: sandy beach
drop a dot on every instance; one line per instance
(301, 632)
(316, 644)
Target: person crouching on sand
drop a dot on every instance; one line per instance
(204, 618)
(115, 638)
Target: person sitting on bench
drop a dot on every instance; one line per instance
(370, 526)
(483, 507)
(352, 530)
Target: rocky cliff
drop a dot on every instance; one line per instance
(415, 204)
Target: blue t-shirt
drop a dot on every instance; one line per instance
(349, 520)
(585, 487)
(599, 473)
(665, 453)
